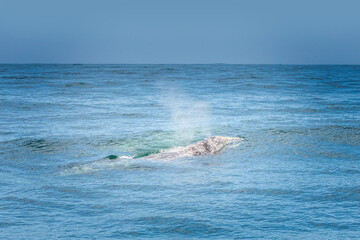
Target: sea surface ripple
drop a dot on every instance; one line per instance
(295, 176)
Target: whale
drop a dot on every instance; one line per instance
(208, 146)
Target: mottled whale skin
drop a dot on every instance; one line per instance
(210, 145)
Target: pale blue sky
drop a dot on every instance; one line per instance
(180, 31)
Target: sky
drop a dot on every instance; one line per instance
(180, 31)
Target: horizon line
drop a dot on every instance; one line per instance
(51, 63)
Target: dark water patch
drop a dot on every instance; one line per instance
(146, 85)
(6, 133)
(333, 154)
(351, 171)
(181, 226)
(39, 145)
(70, 192)
(314, 78)
(341, 108)
(142, 187)
(299, 110)
(168, 69)
(339, 171)
(317, 98)
(122, 72)
(333, 225)
(28, 77)
(113, 82)
(135, 115)
(261, 86)
(341, 194)
(65, 73)
(236, 78)
(332, 133)
(264, 192)
(76, 84)
(17, 203)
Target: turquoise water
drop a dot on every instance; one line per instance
(295, 176)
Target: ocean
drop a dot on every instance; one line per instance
(296, 175)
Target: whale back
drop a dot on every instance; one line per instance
(210, 145)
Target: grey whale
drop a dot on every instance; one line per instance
(210, 145)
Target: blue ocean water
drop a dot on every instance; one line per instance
(295, 176)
